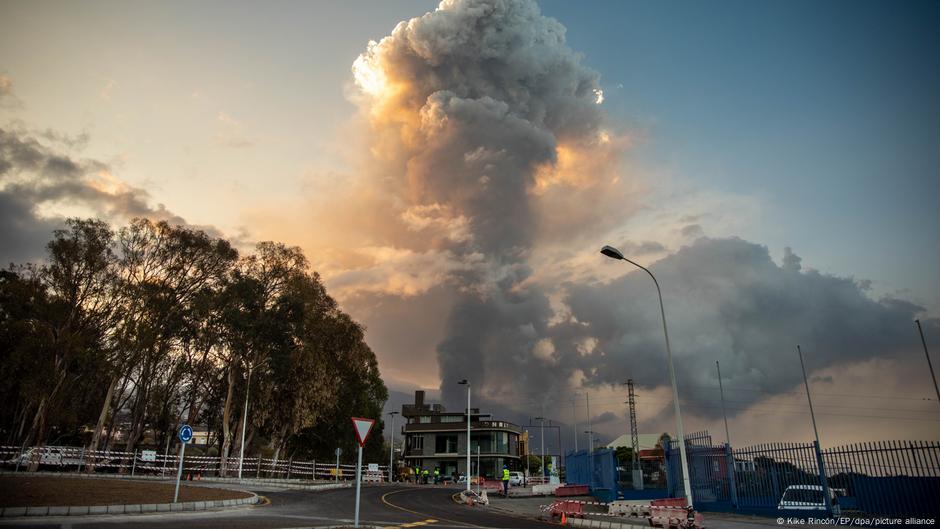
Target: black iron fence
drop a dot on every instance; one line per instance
(892, 478)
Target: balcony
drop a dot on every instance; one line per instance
(461, 426)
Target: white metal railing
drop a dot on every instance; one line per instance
(64, 458)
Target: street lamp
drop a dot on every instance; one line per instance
(590, 434)
(391, 447)
(467, 383)
(614, 253)
(542, 437)
(241, 455)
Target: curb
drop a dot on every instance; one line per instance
(88, 510)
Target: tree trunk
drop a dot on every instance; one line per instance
(117, 406)
(226, 420)
(102, 418)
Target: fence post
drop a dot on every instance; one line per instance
(823, 479)
(19, 459)
(134, 463)
(258, 469)
(290, 463)
(732, 486)
(81, 460)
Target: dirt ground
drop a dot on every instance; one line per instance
(27, 491)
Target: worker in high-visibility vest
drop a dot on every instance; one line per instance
(505, 481)
(424, 474)
(437, 475)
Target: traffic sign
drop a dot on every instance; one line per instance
(373, 467)
(148, 455)
(185, 433)
(362, 427)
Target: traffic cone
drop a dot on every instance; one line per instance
(564, 518)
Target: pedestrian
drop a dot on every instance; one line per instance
(437, 475)
(505, 481)
(424, 475)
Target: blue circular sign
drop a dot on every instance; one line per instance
(185, 433)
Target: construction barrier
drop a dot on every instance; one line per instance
(665, 516)
(568, 508)
(670, 517)
(669, 502)
(623, 508)
(571, 490)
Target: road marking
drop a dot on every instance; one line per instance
(392, 505)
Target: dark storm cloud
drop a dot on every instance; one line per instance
(33, 174)
(727, 300)
(23, 236)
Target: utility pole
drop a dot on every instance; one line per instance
(721, 390)
(634, 439)
(391, 448)
(574, 415)
(923, 341)
(587, 397)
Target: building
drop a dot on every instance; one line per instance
(435, 438)
(647, 441)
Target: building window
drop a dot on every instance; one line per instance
(416, 442)
(446, 444)
(424, 419)
(452, 418)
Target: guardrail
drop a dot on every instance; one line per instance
(194, 466)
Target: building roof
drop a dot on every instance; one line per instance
(647, 441)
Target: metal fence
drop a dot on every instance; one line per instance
(893, 478)
(77, 459)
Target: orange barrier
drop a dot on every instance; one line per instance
(565, 507)
(669, 502)
(571, 490)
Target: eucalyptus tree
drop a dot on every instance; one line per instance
(163, 270)
(78, 279)
(252, 326)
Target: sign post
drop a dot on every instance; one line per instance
(362, 428)
(339, 452)
(185, 434)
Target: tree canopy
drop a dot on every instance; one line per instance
(122, 335)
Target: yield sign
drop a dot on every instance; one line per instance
(362, 427)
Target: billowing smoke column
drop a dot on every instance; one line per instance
(473, 104)
(491, 147)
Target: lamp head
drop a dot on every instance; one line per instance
(463, 382)
(612, 252)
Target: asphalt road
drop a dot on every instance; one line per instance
(388, 505)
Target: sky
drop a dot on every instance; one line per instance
(774, 163)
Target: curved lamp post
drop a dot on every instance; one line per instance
(614, 253)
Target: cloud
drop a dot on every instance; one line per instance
(487, 178)
(727, 300)
(38, 182)
(496, 128)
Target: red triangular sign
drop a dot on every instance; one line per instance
(362, 427)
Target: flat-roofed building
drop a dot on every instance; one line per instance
(435, 438)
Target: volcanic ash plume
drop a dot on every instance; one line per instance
(490, 130)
